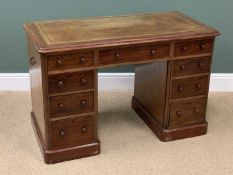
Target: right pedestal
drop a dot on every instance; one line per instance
(171, 99)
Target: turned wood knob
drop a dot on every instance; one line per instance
(84, 129)
(83, 103)
(32, 61)
(60, 83)
(182, 67)
(61, 105)
(196, 110)
(178, 113)
(180, 88)
(117, 55)
(62, 133)
(183, 48)
(198, 86)
(200, 64)
(82, 60)
(59, 62)
(153, 52)
(203, 46)
(83, 81)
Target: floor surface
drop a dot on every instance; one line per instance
(128, 146)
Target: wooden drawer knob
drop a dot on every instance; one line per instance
(117, 55)
(61, 105)
(200, 64)
(198, 86)
(82, 60)
(203, 46)
(196, 110)
(178, 113)
(182, 67)
(60, 84)
(153, 52)
(83, 81)
(183, 48)
(62, 133)
(84, 129)
(180, 88)
(59, 62)
(83, 103)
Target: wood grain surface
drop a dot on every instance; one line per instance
(71, 104)
(69, 82)
(72, 132)
(187, 112)
(57, 35)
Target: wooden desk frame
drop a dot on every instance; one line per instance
(171, 78)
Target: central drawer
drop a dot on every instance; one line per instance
(131, 54)
(72, 132)
(71, 104)
(71, 81)
(188, 87)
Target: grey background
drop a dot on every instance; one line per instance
(13, 13)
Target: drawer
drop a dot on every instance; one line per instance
(191, 66)
(188, 87)
(71, 104)
(70, 61)
(187, 112)
(131, 54)
(72, 132)
(71, 81)
(193, 47)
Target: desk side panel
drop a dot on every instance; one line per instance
(35, 71)
(150, 88)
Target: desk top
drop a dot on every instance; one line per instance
(70, 34)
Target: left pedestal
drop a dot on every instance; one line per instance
(64, 104)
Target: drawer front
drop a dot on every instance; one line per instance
(131, 54)
(71, 104)
(191, 66)
(188, 87)
(193, 47)
(187, 112)
(71, 81)
(70, 61)
(72, 132)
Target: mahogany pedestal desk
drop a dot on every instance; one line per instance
(173, 55)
